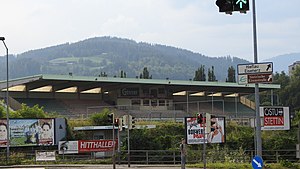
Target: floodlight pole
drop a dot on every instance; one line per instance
(7, 103)
(257, 102)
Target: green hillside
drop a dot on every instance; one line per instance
(92, 56)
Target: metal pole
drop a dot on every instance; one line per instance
(204, 142)
(272, 99)
(187, 102)
(128, 141)
(235, 101)
(212, 103)
(257, 102)
(119, 147)
(114, 145)
(7, 103)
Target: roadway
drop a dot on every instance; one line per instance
(87, 166)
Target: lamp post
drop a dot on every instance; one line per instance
(7, 102)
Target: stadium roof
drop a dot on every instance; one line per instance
(94, 84)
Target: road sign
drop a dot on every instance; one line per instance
(255, 78)
(275, 118)
(257, 162)
(256, 68)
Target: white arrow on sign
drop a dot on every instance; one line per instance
(257, 163)
(254, 68)
(241, 3)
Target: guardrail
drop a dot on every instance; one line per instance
(155, 156)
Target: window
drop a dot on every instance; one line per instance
(153, 102)
(168, 103)
(161, 103)
(136, 102)
(146, 102)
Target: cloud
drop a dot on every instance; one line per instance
(191, 24)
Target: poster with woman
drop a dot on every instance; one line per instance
(216, 134)
(210, 130)
(27, 132)
(46, 131)
(3, 133)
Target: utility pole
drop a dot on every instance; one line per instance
(229, 6)
(257, 102)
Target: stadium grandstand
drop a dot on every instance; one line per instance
(155, 99)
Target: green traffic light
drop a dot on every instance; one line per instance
(241, 2)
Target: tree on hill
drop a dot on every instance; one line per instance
(103, 74)
(200, 74)
(145, 74)
(211, 74)
(123, 74)
(231, 75)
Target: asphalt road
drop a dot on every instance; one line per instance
(96, 167)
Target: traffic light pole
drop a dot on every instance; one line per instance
(114, 145)
(128, 139)
(257, 102)
(204, 142)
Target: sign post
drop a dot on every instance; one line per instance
(256, 73)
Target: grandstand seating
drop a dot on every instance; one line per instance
(85, 107)
(232, 109)
(50, 105)
(78, 106)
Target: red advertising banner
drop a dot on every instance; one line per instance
(96, 145)
(275, 118)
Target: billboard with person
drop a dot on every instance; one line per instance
(28, 132)
(211, 130)
(3, 133)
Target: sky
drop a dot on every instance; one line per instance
(195, 25)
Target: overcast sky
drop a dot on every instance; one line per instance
(194, 25)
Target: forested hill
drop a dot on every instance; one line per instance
(112, 55)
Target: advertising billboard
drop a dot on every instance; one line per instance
(82, 146)
(45, 156)
(3, 133)
(28, 132)
(275, 118)
(212, 130)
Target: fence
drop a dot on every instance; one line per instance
(156, 156)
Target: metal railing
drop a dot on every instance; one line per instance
(156, 156)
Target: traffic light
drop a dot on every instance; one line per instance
(120, 124)
(131, 124)
(117, 120)
(110, 118)
(199, 118)
(241, 5)
(228, 6)
(125, 120)
(225, 6)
